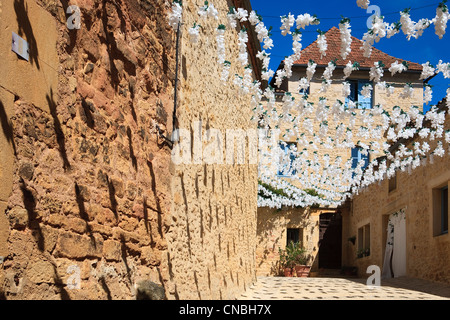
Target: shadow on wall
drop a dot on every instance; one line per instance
(58, 130)
(7, 126)
(26, 31)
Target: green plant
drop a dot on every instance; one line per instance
(293, 255)
(352, 239)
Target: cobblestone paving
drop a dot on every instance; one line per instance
(281, 288)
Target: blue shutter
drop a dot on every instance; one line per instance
(363, 102)
(352, 96)
(366, 160)
(286, 147)
(356, 155)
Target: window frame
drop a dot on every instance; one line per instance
(292, 158)
(357, 92)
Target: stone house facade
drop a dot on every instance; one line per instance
(418, 197)
(91, 204)
(307, 222)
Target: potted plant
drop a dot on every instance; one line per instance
(360, 253)
(301, 263)
(286, 263)
(352, 239)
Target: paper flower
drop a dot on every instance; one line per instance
(363, 4)
(194, 33)
(397, 67)
(287, 22)
(346, 38)
(444, 68)
(322, 43)
(427, 94)
(175, 14)
(428, 70)
(441, 19)
(305, 20)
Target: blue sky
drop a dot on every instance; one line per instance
(428, 47)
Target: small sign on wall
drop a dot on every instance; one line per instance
(20, 46)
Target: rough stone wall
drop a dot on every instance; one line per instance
(213, 229)
(90, 182)
(272, 236)
(427, 256)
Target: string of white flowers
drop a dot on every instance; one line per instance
(444, 68)
(349, 68)
(305, 20)
(346, 37)
(322, 43)
(376, 72)
(220, 39)
(194, 33)
(336, 182)
(397, 67)
(208, 11)
(363, 4)
(242, 46)
(175, 14)
(441, 19)
(428, 93)
(287, 22)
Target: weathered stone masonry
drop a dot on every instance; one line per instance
(87, 177)
(88, 189)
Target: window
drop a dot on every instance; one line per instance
(358, 155)
(293, 235)
(393, 182)
(303, 91)
(285, 168)
(440, 210)
(364, 241)
(355, 94)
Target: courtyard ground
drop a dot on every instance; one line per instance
(335, 288)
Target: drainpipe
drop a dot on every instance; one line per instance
(175, 97)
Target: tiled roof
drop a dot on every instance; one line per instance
(333, 37)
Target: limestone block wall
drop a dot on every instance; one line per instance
(427, 254)
(272, 236)
(85, 180)
(212, 238)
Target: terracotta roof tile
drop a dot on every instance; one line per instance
(333, 37)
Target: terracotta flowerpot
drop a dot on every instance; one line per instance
(288, 272)
(302, 271)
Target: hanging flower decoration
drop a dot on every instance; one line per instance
(441, 19)
(220, 39)
(330, 181)
(305, 20)
(428, 93)
(242, 44)
(376, 72)
(428, 70)
(287, 22)
(349, 68)
(397, 67)
(363, 4)
(175, 14)
(346, 37)
(322, 43)
(208, 11)
(444, 68)
(225, 71)
(194, 33)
